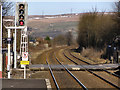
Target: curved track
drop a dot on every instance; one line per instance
(84, 62)
(69, 79)
(72, 79)
(90, 64)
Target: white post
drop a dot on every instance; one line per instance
(20, 44)
(24, 71)
(1, 43)
(15, 61)
(25, 39)
(8, 66)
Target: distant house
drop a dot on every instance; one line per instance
(36, 43)
(32, 41)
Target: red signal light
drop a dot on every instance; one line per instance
(21, 23)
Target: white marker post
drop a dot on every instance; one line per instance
(15, 61)
(24, 59)
(24, 71)
(8, 66)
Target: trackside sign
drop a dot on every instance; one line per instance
(24, 62)
(24, 56)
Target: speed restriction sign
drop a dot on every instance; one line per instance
(25, 56)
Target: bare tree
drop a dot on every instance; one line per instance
(59, 40)
(7, 7)
(6, 11)
(96, 30)
(117, 16)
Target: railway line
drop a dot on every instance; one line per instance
(98, 74)
(94, 61)
(54, 79)
(65, 79)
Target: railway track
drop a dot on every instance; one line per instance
(51, 72)
(63, 79)
(72, 77)
(90, 64)
(114, 85)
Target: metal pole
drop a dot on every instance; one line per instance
(8, 66)
(20, 44)
(25, 39)
(15, 61)
(1, 44)
(24, 71)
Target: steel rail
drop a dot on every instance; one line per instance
(79, 59)
(112, 74)
(91, 64)
(70, 59)
(56, 84)
(97, 75)
(71, 74)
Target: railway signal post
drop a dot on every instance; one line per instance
(21, 19)
(20, 24)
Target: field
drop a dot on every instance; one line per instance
(52, 26)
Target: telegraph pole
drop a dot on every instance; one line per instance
(43, 14)
(71, 11)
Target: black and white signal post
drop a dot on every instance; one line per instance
(21, 17)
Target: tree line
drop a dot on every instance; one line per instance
(96, 30)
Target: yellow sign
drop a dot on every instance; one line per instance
(24, 62)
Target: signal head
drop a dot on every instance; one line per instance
(21, 11)
(21, 6)
(21, 17)
(21, 23)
